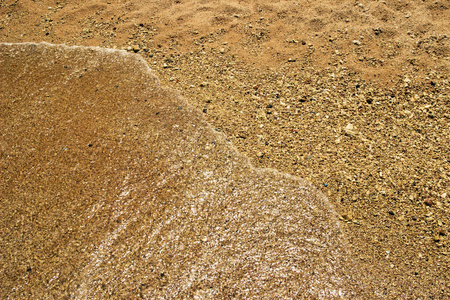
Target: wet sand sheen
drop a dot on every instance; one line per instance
(115, 186)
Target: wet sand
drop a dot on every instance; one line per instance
(350, 96)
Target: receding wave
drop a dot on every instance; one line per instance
(113, 186)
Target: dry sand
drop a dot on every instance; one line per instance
(353, 96)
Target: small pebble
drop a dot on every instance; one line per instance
(428, 202)
(347, 216)
(136, 48)
(350, 130)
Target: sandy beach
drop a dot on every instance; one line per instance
(351, 96)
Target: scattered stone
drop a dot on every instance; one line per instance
(348, 216)
(377, 31)
(136, 48)
(428, 202)
(350, 130)
(356, 42)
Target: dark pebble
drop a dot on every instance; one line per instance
(428, 202)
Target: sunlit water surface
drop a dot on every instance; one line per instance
(115, 187)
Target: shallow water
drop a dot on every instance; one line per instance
(113, 186)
